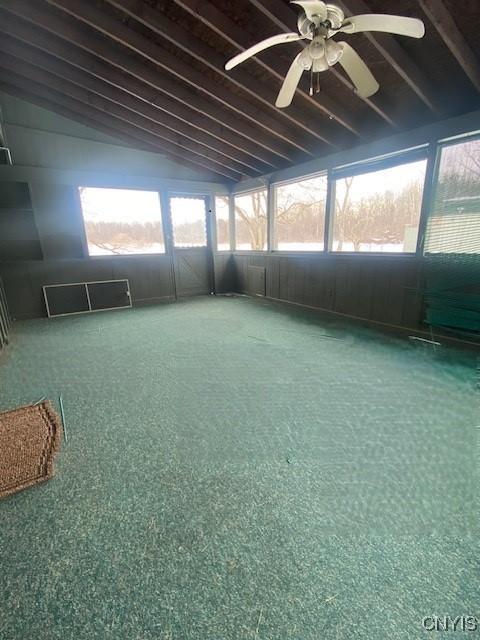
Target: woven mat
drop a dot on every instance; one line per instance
(29, 439)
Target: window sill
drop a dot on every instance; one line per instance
(126, 255)
(329, 254)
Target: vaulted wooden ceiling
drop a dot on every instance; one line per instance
(151, 73)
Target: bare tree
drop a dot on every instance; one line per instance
(254, 220)
(300, 212)
(342, 210)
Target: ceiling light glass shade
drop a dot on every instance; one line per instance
(320, 64)
(333, 52)
(317, 48)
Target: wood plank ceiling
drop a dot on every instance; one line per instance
(151, 73)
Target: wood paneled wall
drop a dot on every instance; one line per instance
(225, 275)
(385, 289)
(150, 279)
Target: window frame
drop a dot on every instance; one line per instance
(228, 197)
(84, 238)
(430, 151)
(272, 211)
(236, 194)
(425, 152)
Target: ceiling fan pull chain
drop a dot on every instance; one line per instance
(311, 81)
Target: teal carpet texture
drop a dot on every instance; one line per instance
(238, 469)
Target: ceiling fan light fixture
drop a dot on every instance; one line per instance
(320, 64)
(304, 60)
(316, 49)
(333, 52)
(318, 22)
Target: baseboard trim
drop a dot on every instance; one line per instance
(393, 328)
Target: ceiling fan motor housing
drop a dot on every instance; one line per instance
(305, 26)
(336, 16)
(334, 20)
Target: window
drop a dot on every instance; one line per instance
(379, 211)
(222, 215)
(251, 221)
(299, 217)
(454, 221)
(188, 221)
(121, 221)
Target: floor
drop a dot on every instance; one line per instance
(238, 469)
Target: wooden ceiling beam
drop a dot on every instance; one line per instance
(285, 18)
(278, 12)
(396, 56)
(149, 50)
(198, 139)
(66, 93)
(210, 57)
(443, 21)
(248, 138)
(224, 140)
(229, 30)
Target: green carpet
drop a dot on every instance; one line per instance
(237, 470)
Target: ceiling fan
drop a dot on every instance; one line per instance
(318, 22)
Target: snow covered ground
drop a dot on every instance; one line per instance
(105, 250)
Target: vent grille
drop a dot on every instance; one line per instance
(86, 297)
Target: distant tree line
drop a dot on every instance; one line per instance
(300, 217)
(223, 231)
(380, 218)
(300, 212)
(190, 233)
(120, 237)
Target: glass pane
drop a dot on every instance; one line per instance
(188, 221)
(222, 214)
(299, 221)
(251, 221)
(379, 211)
(454, 222)
(122, 221)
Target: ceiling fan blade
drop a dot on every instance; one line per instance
(281, 38)
(313, 8)
(290, 84)
(358, 72)
(412, 27)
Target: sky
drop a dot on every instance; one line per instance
(132, 205)
(188, 209)
(222, 210)
(120, 205)
(129, 205)
(394, 179)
